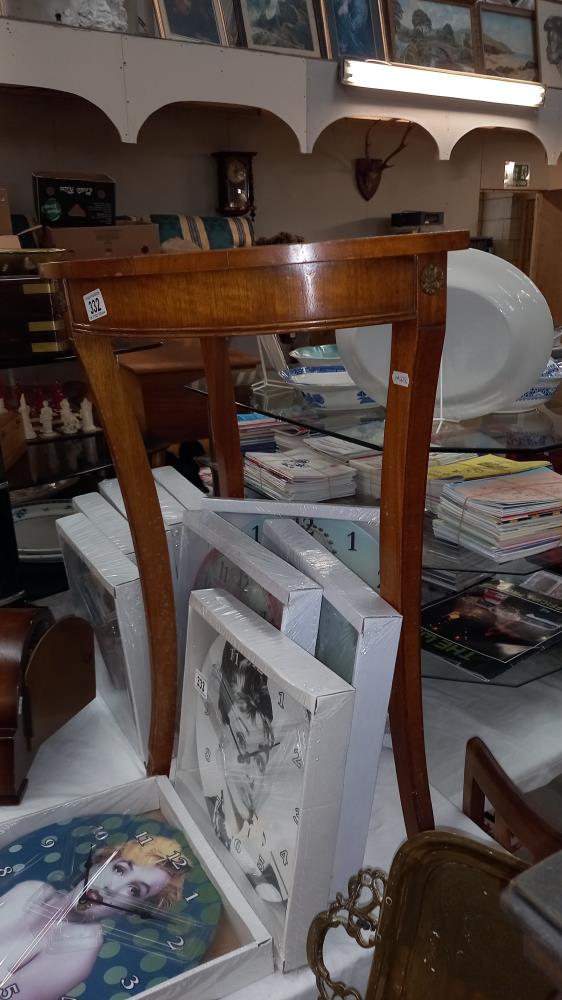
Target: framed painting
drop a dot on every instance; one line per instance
(354, 29)
(287, 26)
(549, 36)
(509, 46)
(434, 34)
(191, 21)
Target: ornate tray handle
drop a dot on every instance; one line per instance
(359, 915)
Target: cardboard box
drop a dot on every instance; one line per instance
(105, 241)
(5, 218)
(357, 639)
(74, 200)
(12, 438)
(240, 953)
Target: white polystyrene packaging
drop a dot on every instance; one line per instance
(106, 590)
(262, 749)
(358, 639)
(216, 554)
(48, 856)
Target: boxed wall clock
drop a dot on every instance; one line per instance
(357, 638)
(108, 520)
(106, 591)
(119, 894)
(214, 553)
(350, 533)
(262, 750)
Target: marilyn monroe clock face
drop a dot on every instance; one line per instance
(101, 908)
(251, 745)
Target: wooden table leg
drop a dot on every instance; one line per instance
(408, 427)
(222, 416)
(143, 510)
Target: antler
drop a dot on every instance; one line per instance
(402, 145)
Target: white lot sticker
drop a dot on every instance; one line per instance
(95, 306)
(401, 378)
(200, 684)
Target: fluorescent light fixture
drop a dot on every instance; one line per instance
(442, 83)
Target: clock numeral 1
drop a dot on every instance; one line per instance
(130, 983)
(263, 839)
(351, 537)
(10, 991)
(144, 838)
(281, 699)
(256, 532)
(296, 816)
(8, 870)
(261, 864)
(178, 860)
(178, 943)
(194, 895)
(284, 855)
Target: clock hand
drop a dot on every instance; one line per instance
(136, 911)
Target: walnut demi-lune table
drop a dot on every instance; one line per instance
(218, 294)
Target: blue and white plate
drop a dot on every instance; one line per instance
(327, 388)
(541, 392)
(36, 533)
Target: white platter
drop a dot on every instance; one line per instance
(499, 338)
(35, 527)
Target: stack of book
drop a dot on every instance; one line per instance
(465, 467)
(504, 518)
(369, 472)
(299, 474)
(257, 432)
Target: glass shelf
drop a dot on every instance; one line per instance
(445, 556)
(63, 458)
(537, 432)
(531, 668)
(120, 346)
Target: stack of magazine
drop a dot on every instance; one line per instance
(300, 474)
(257, 432)
(504, 518)
(489, 628)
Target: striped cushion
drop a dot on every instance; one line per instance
(208, 232)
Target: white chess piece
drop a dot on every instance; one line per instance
(70, 421)
(87, 415)
(46, 420)
(25, 414)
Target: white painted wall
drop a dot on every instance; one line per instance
(170, 168)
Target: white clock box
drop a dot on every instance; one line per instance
(358, 639)
(262, 750)
(214, 553)
(351, 533)
(108, 520)
(106, 590)
(246, 954)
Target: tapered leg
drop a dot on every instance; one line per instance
(408, 427)
(147, 528)
(222, 417)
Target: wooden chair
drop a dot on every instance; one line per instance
(264, 290)
(517, 823)
(437, 925)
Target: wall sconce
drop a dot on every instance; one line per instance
(441, 83)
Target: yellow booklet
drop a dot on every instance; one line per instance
(481, 467)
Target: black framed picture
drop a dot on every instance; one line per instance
(355, 29)
(191, 20)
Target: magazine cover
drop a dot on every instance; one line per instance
(491, 626)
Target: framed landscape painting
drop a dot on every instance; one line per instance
(508, 43)
(355, 29)
(549, 37)
(431, 33)
(287, 26)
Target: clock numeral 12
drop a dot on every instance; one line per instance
(178, 861)
(351, 537)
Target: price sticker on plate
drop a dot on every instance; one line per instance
(200, 684)
(95, 306)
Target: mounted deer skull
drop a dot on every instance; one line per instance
(368, 172)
